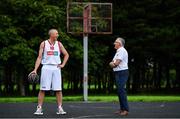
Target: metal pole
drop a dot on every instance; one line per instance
(85, 79)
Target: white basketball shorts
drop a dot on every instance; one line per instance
(50, 78)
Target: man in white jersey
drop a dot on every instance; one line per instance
(120, 68)
(49, 57)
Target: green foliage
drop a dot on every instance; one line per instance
(25, 24)
(76, 10)
(76, 26)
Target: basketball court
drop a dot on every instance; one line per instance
(92, 110)
(90, 19)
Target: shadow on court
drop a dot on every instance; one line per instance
(92, 110)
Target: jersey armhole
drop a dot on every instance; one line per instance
(59, 44)
(44, 46)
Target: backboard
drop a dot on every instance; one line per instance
(89, 18)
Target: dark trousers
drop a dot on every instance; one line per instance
(121, 78)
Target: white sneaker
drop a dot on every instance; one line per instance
(38, 111)
(60, 111)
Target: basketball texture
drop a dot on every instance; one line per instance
(33, 78)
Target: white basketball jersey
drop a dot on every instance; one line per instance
(51, 53)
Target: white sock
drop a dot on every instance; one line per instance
(60, 107)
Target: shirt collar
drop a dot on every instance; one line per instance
(119, 49)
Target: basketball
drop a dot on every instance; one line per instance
(33, 78)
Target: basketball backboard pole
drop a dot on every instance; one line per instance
(86, 24)
(84, 18)
(85, 63)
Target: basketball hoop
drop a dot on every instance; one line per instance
(89, 18)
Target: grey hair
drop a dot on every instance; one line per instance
(51, 31)
(122, 41)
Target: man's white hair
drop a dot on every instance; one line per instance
(52, 31)
(121, 41)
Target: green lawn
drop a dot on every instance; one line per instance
(113, 98)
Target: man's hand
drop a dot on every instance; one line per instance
(66, 56)
(34, 71)
(60, 66)
(112, 65)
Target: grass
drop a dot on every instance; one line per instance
(110, 98)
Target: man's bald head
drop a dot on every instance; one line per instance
(53, 34)
(51, 31)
